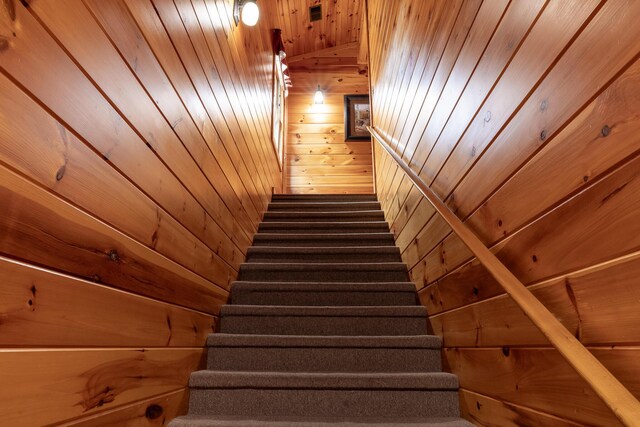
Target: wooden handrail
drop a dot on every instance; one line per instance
(620, 400)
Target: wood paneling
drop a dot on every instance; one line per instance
(591, 303)
(52, 385)
(483, 410)
(538, 378)
(317, 158)
(339, 26)
(42, 308)
(523, 118)
(303, 151)
(45, 230)
(145, 413)
(135, 165)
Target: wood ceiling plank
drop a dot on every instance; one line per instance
(340, 24)
(330, 51)
(363, 48)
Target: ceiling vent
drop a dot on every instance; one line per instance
(315, 13)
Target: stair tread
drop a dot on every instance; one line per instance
(328, 286)
(323, 253)
(335, 266)
(324, 204)
(323, 311)
(328, 224)
(326, 236)
(368, 238)
(325, 195)
(323, 328)
(316, 293)
(319, 380)
(408, 341)
(233, 421)
(320, 224)
(370, 214)
(325, 213)
(324, 249)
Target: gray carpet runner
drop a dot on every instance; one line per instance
(323, 328)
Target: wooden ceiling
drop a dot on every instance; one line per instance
(340, 24)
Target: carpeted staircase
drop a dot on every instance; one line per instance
(323, 328)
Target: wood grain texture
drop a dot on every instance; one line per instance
(134, 169)
(338, 159)
(70, 169)
(523, 118)
(604, 217)
(156, 411)
(41, 308)
(42, 229)
(338, 30)
(333, 67)
(316, 153)
(56, 385)
(123, 30)
(613, 393)
(485, 411)
(187, 76)
(592, 303)
(537, 378)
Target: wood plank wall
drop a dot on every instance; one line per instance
(524, 117)
(340, 24)
(135, 164)
(317, 158)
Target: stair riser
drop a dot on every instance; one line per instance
(326, 257)
(320, 319)
(235, 421)
(302, 298)
(311, 325)
(328, 217)
(323, 206)
(333, 359)
(335, 403)
(321, 242)
(364, 228)
(322, 275)
(315, 198)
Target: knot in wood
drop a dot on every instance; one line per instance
(543, 135)
(113, 255)
(543, 105)
(60, 173)
(153, 411)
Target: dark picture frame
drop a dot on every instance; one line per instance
(357, 116)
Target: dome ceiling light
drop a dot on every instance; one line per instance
(247, 10)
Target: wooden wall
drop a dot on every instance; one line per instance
(317, 158)
(524, 117)
(135, 164)
(340, 24)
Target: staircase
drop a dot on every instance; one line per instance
(323, 328)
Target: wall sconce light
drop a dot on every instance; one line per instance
(249, 11)
(318, 98)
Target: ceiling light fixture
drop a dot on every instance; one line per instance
(249, 11)
(318, 98)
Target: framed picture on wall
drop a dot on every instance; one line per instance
(357, 116)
